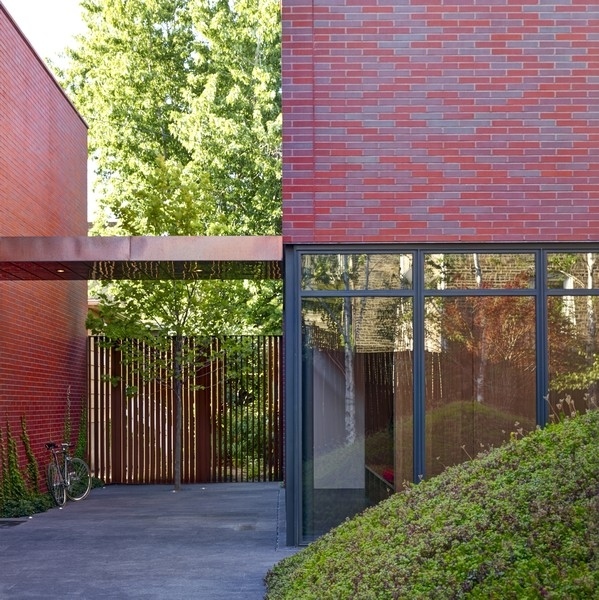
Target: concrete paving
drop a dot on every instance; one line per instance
(209, 541)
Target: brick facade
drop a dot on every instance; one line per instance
(43, 165)
(426, 121)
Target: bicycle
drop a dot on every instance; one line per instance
(67, 477)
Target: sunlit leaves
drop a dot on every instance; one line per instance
(183, 102)
(233, 129)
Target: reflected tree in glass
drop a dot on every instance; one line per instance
(574, 363)
(490, 329)
(346, 316)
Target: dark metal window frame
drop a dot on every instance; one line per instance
(293, 351)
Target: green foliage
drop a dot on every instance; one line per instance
(127, 75)
(81, 444)
(183, 102)
(19, 493)
(13, 482)
(583, 378)
(233, 128)
(520, 521)
(33, 472)
(249, 445)
(184, 107)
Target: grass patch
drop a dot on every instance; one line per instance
(520, 521)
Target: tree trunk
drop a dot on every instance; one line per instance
(479, 381)
(350, 384)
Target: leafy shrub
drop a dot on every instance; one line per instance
(520, 521)
(19, 492)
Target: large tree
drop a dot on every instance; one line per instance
(183, 95)
(233, 130)
(183, 99)
(183, 102)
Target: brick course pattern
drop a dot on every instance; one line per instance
(43, 166)
(428, 121)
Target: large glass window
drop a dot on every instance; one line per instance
(357, 405)
(480, 375)
(473, 270)
(573, 270)
(356, 271)
(414, 361)
(573, 334)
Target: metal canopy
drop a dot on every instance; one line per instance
(106, 258)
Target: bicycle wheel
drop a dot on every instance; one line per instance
(79, 480)
(56, 485)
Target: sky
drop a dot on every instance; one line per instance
(50, 25)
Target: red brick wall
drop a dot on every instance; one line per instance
(425, 121)
(43, 162)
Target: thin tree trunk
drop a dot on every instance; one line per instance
(348, 350)
(350, 384)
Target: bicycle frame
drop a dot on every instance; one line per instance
(66, 475)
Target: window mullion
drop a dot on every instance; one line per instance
(419, 384)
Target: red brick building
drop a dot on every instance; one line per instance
(43, 186)
(440, 229)
(441, 225)
(422, 121)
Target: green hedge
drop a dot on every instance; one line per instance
(520, 521)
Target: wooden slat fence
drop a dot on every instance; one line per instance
(232, 414)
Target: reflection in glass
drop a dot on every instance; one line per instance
(573, 359)
(574, 270)
(479, 271)
(480, 375)
(356, 405)
(343, 272)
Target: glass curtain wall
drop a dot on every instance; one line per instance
(479, 355)
(356, 378)
(573, 334)
(414, 361)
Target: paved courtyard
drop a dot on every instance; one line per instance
(211, 541)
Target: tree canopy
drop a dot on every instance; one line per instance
(183, 100)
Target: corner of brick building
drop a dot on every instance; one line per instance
(43, 190)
